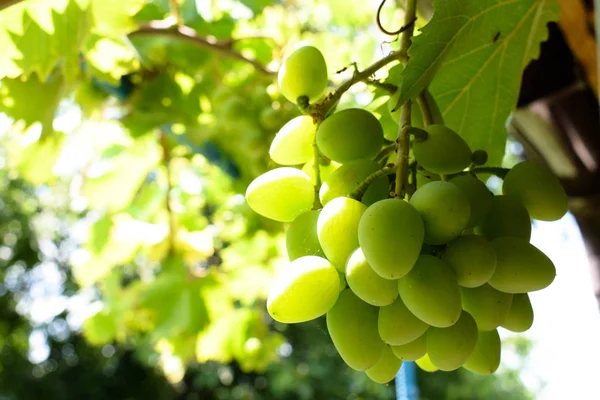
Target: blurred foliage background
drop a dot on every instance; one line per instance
(130, 265)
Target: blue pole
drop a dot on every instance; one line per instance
(406, 382)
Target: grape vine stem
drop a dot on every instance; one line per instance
(425, 109)
(496, 171)
(360, 190)
(405, 120)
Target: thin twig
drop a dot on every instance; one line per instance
(360, 190)
(176, 11)
(185, 33)
(497, 171)
(425, 109)
(166, 162)
(391, 33)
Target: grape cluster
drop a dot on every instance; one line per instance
(429, 279)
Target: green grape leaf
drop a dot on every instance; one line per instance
(38, 159)
(114, 18)
(38, 36)
(30, 100)
(100, 328)
(473, 54)
(110, 58)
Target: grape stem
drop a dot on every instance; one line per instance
(405, 120)
(360, 190)
(497, 171)
(425, 109)
(383, 153)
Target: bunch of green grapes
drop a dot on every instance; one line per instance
(427, 278)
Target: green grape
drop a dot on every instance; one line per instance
(301, 237)
(487, 305)
(386, 368)
(431, 293)
(443, 152)
(506, 218)
(397, 325)
(305, 290)
(416, 118)
(445, 211)
(521, 267)
(281, 194)
(390, 235)
(485, 360)
(472, 258)
(337, 228)
(293, 144)
(347, 177)
(536, 187)
(324, 170)
(352, 325)
(424, 177)
(520, 315)
(412, 351)
(303, 73)
(480, 198)
(425, 364)
(449, 348)
(350, 134)
(343, 282)
(366, 284)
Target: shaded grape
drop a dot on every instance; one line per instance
(506, 218)
(535, 186)
(485, 359)
(366, 284)
(412, 351)
(521, 267)
(520, 315)
(386, 368)
(350, 134)
(301, 237)
(480, 198)
(445, 211)
(390, 234)
(397, 325)
(487, 305)
(449, 348)
(431, 293)
(324, 170)
(352, 325)
(443, 152)
(347, 177)
(472, 258)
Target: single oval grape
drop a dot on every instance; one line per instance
(366, 284)
(397, 325)
(386, 368)
(324, 170)
(506, 218)
(485, 359)
(347, 177)
(521, 267)
(350, 134)
(443, 152)
(425, 364)
(303, 73)
(337, 229)
(281, 194)
(520, 315)
(536, 187)
(479, 196)
(412, 351)
(293, 144)
(431, 293)
(352, 325)
(301, 237)
(449, 348)
(424, 177)
(305, 290)
(472, 258)
(487, 305)
(445, 211)
(390, 234)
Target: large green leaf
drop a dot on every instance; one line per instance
(36, 36)
(473, 54)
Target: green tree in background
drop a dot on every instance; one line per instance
(130, 264)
